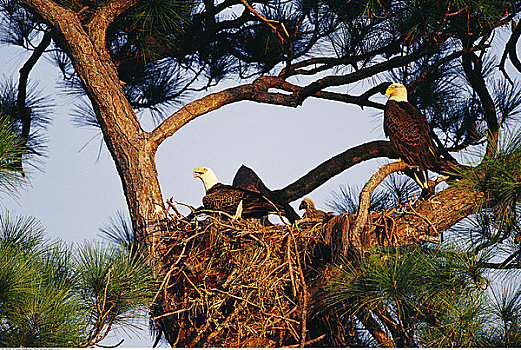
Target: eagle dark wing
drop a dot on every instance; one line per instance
(226, 198)
(408, 131)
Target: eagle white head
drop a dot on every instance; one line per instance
(397, 92)
(207, 176)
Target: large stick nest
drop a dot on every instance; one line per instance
(238, 283)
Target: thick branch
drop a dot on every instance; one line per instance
(51, 12)
(104, 16)
(362, 100)
(333, 167)
(422, 222)
(365, 199)
(258, 91)
(430, 217)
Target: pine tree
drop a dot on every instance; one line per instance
(125, 57)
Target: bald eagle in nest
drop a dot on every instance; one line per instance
(311, 212)
(408, 130)
(234, 201)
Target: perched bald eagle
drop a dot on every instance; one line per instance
(233, 200)
(408, 131)
(311, 212)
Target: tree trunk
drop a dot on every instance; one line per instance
(127, 142)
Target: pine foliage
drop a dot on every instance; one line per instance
(424, 297)
(54, 296)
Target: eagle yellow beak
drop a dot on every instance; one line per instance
(389, 91)
(198, 172)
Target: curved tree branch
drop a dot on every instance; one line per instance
(333, 167)
(258, 92)
(25, 114)
(510, 51)
(472, 65)
(355, 234)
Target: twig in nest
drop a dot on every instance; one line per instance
(192, 209)
(268, 253)
(165, 282)
(169, 314)
(304, 311)
(290, 264)
(227, 321)
(427, 238)
(171, 205)
(201, 332)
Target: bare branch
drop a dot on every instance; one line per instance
(333, 167)
(362, 100)
(472, 65)
(338, 80)
(258, 92)
(510, 51)
(357, 228)
(22, 85)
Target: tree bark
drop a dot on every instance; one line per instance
(127, 142)
(422, 222)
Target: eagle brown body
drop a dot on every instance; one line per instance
(226, 198)
(233, 200)
(408, 130)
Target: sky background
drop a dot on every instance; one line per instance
(78, 189)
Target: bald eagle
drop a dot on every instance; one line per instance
(311, 212)
(408, 131)
(233, 200)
